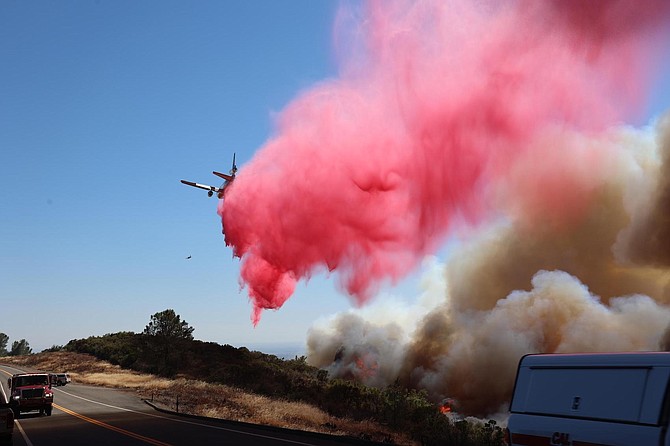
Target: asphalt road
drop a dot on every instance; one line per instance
(87, 415)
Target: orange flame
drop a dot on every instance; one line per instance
(445, 409)
(367, 366)
(447, 406)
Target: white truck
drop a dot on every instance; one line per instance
(591, 400)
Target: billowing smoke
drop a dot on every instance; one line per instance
(600, 283)
(369, 344)
(447, 112)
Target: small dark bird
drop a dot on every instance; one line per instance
(188, 257)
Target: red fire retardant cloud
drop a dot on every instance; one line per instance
(435, 102)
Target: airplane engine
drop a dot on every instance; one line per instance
(210, 193)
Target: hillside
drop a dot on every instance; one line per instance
(235, 383)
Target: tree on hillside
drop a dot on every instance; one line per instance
(165, 332)
(3, 344)
(20, 348)
(168, 324)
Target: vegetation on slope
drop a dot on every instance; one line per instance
(401, 410)
(166, 365)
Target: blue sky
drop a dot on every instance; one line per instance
(104, 106)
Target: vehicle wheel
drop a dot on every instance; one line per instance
(48, 410)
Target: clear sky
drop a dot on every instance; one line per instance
(104, 106)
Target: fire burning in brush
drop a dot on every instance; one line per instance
(367, 367)
(361, 364)
(447, 406)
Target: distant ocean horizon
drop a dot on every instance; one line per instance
(282, 350)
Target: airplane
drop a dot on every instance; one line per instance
(218, 190)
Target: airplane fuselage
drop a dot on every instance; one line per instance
(211, 190)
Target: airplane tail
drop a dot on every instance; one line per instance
(233, 170)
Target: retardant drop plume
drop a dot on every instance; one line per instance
(436, 103)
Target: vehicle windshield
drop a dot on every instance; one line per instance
(31, 380)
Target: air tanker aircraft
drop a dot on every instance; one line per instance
(219, 190)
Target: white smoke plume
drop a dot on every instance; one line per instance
(527, 282)
(369, 344)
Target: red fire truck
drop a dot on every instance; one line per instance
(30, 391)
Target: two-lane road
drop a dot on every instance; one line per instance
(87, 415)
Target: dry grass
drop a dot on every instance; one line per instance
(205, 399)
(86, 369)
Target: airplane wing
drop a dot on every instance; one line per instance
(223, 175)
(201, 186)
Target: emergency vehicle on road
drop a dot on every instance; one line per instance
(29, 392)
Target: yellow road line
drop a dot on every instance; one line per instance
(110, 427)
(105, 425)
